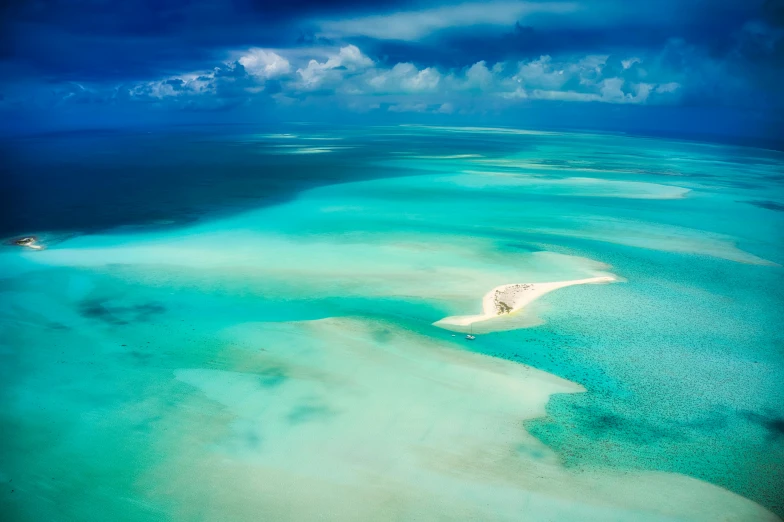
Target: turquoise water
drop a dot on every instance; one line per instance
(266, 351)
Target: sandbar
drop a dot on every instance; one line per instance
(510, 298)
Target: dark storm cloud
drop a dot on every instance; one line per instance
(97, 39)
(389, 56)
(94, 39)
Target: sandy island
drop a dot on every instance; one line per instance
(29, 242)
(508, 299)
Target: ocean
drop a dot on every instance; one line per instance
(229, 323)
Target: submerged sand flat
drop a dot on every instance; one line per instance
(574, 186)
(334, 419)
(372, 422)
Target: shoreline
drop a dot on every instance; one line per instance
(31, 242)
(505, 300)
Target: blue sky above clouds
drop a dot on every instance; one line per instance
(674, 64)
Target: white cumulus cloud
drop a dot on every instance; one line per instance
(349, 59)
(264, 64)
(404, 77)
(351, 79)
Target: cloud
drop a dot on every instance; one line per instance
(264, 64)
(446, 108)
(540, 73)
(668, 87)
(311, 58)
(226, 85)
(404, 77)
(414, 25)
(592, 78)
(479, 76)
(627, 64)
(538, 94)
(189, 84)
(730, 58)
(409, 107)
(348, 60)
(349, 78)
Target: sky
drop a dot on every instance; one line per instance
(689, 66)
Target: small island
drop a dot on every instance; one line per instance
(510, 298)
(29, 242)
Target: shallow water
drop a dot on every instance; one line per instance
(259, 345)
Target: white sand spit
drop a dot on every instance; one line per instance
(508, 299)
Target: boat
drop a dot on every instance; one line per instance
(470, 336)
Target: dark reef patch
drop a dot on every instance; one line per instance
(272, 377)
(598, 423)
(523, 247)
(118, 315)
(770, 205)
(773, 424)
(381, 335)
(308, 413)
